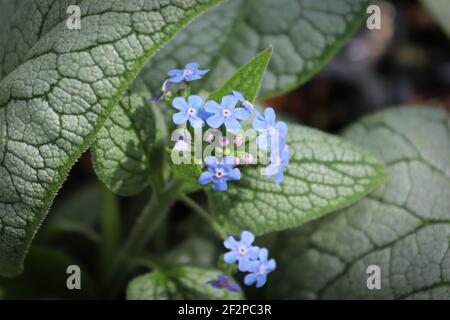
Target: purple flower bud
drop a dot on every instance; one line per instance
(209, 138)
(248, 158)
(238, 141)
(224, 141)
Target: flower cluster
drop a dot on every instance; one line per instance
(249, 258)
(227, 117)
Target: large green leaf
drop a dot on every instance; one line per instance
(403, 227)
(183, 282)
(247, 79)
(123, 147)
(304, 35)
(440, 9)
(24, 23)
(53, 104)
(325, 173)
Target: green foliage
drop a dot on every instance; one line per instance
(304, 34)
(53, 104)
(325, 173)
(403, 226)
(182, 282)
(247, 79)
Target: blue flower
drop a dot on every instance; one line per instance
(219, 172)
(279, 158)
(269, 128)
(189, 73)
(247, 104)
(226, 113)
(260, 269)
(241, 251)
(188, 111)
(222, 281)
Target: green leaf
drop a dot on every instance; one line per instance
(304, 35)
(325, 173)
(123, 147)
(247, 79)
(440, 10)
(23, 24)
(53, 104)
(182, 282)
(403, 227)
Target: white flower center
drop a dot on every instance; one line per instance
(242, 250)
(262, 269)
(187, 72)
(191, 111)
(271, 131)
(226, 112)
(219, 173)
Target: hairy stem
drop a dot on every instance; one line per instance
(205, 215)
(146, 224)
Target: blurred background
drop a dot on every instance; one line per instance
(405, 63)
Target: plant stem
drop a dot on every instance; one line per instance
(205, 215)
(110, 230)
(146, 224)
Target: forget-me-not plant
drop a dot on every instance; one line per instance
(227, 116)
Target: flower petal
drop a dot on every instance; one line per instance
(231, 243)
(282, 129)
(195, 101)
(234, 287)
(238, 95)
(205, 177)
(211, 162)
(192, 66)
(215, 284)
(229, 101)
(176, 79)
(253, 252)
(259, 124)
(212, 107)
(231, 257)
(179, 117)
(215, 121)
(193, 77)
(269, 116)
(220, 185)
(271, 169)
(250, 279)
(180, 103)
(279, 177)
(229, 162)
(202, 72)
(263, 254)
(174, 72)
(247, 238)
(232, 124)
(271, 265)
(263, 140)
(262, 279)
(196, 122)
(241, 113)
(244, 264)
(234, 174)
